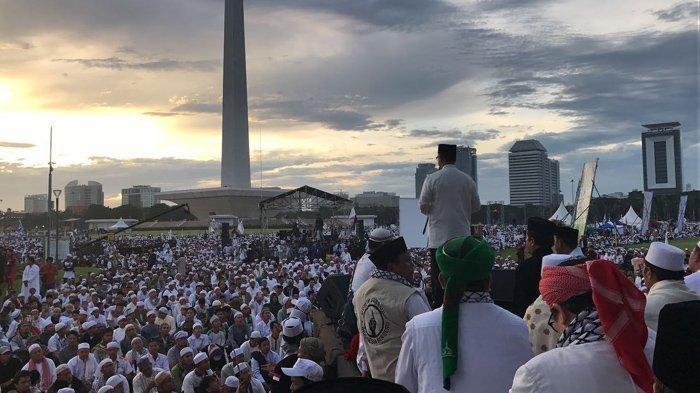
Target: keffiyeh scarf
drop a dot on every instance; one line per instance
(386, 275)
(585, 328)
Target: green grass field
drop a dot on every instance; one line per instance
(79, 271)
(688, 243)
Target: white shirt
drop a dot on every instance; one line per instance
(363, 271)
(692, 281)
(84, 370)
(40, 369)
(30, 274)
(449, 197)
(141, 381)
(160, 361)
(192, 381)
(271, 357)
(583, 368)
(493, 343)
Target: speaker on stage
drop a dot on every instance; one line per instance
(225, 234)
(333, 294)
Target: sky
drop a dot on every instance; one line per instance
(343, 95)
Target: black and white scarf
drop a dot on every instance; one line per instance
(585, 328)
(476, 297)
(387, 275)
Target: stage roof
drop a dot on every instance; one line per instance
(304, 198)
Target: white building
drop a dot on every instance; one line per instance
(81, 196)
(533, 177)
(37, 203)
(377, 199)
(140, 196)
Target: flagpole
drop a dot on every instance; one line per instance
(48, 196)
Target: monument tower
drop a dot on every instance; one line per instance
(235, 154)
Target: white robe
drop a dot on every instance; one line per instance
(30, 274)
(692, 281)
(663, 293)
(493, 343)
(583, 368)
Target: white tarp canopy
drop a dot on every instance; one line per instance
(631, 218)
(120, 224)
(561, 214)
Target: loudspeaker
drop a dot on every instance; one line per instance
(333, 294)
(225, 235)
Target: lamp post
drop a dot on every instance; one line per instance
(56, 193)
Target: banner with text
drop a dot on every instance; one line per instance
(585, 191)
(646, 215)
(681, 213)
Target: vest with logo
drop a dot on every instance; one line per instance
(381, 320)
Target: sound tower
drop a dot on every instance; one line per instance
(225, 235)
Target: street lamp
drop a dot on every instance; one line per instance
(56, 193)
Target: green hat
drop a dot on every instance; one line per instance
(461, 260)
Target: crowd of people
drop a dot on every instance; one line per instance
(198, 313)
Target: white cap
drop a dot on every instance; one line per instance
(160, 377)
(304, 305)
(163, 310)
(151, 312)
(33, 348)
(113, 344)
(240, 367)
(105, 389)
(59, 326)
(87, 325)
(105, 362)
(292, 327)
(305, 368)
(83, 346)
(65, 390)
(296, 313)
(184, 351)
(255, 334)
(61, 368)
(200, 357)
(216, 303)
(554, 259)
(115, 380)
(236, 352)
(179, 335)
(232, 382)
(666, 256)
(196, 324)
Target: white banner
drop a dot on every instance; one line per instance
(585, 191)
(646, 215)
(681, 214)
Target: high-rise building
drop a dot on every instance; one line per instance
(140, 196)
(466, 161)
(661, 158)
(422, 171)
(37, 203)
(80, 196)
(533, 177)
(377, 199)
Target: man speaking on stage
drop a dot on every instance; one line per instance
(449, 197)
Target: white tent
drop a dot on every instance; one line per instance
(631, 218)
(120, 224)
(561, 214)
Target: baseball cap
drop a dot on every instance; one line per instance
(305, 368)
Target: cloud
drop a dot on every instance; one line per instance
(117, 63)
(18, 145)
(454, 136)
(686, 10)
(198, 107)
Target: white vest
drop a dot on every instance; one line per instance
(380, 306)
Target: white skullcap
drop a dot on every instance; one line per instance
(65, 390)
(255, 334)
(232, 382)
(83, 346)
(161, 376)
(105, 362)
(61, 368)
(87, 325)
(113, 344)
(33, 348)
(554, 259)
(59, 326)
(200, 357)
(184, 351)
(179, 335)
(240, 367)
(120, 318)
(163, 310)
(304, 305)
(236, 352)
(666, 256)
(105, 389)
(196, 324)
(115, 380)
(292, 327)
(151, 312)
(216, 303)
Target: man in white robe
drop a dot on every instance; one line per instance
(664, 268)
(84, 365)
(491, 342)
(597, 353)
(30, 278)
(693, 279)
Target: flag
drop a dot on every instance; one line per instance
(240, 228)
(681, 214)
(646, 214)
(353, 217)
(20, 228)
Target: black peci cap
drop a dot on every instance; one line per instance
(677, 349)
(541, 226)
(388, 251)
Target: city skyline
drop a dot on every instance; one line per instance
(348, 95)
